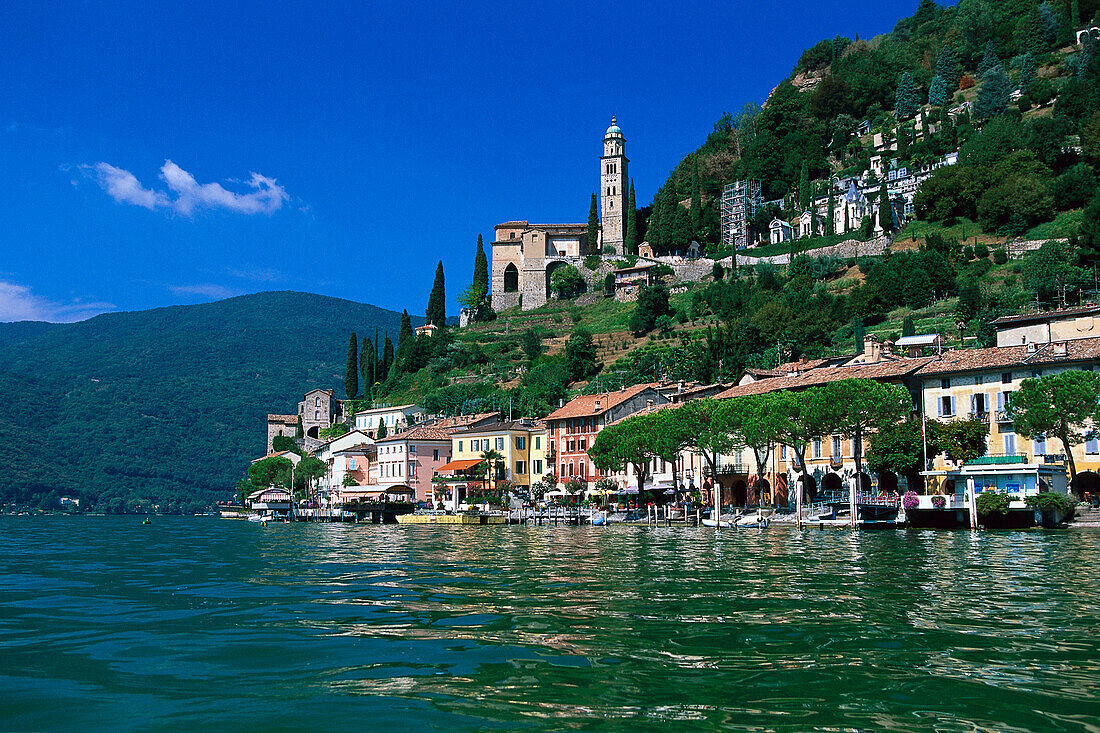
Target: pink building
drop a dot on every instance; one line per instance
(411, 458)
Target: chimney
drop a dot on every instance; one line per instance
(597, 405)
(872, 350)
(1032, 347)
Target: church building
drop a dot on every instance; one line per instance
(525, 255)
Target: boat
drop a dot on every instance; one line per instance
(599, 519)
(753, 521)
(727, 522)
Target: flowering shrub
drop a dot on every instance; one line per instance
(939, 501)
(910, 500)
(574, 486)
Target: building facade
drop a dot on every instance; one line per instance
(395, 419)
(411, 458)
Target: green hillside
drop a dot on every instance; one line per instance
(167, 404)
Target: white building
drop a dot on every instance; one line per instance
(394, 418)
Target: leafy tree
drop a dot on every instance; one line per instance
(652, 304)
(273, 471)
(609, 283)
(1090, 230)
(717, 271)
(593, 223)
(436, 311)
(580, 355)
(937, 92)
(862, 406)
(1065, 405)
(906, 99)
(631, 442)
(1048, 269)
(753, 422)
(490, 462)
(309, 470)
(899, 447)
(960, 441)
(567, 282)
(705, 420)
(351, 373)
(282, 443)
(531, 344)
(805, 416)
(993, 94)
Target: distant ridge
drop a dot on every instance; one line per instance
(167, 403)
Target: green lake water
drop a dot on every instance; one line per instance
(200, 623)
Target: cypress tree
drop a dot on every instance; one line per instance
(404, 335)
(804, 188)
(481, 270)
(387, 357)
(381, 432)
(857, 332)
(299, 433)
(630, 240)
(846, 223)
(906, 99)
(937, 92)
(593, 224)
(696, 197)
(885, 216)
(437, 302)
(351, 373)
(367, 357)
(830, 216)
(908, 328)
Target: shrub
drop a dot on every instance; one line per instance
(1000, 256)
(981, 251)
(939, 501)
(968, 253)
(1049, 501)
(993, 502)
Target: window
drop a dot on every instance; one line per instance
(1040, 445)
(316, 414)
(836, 446)
(1006, 377)
(1010, 443)
(460, 446)
(571, 471)
(500, 444)
(538, 442)
(782, 452)
(537, 467)
(351, 464)
(977, 404)
(572, 446)
(584, 443)
(945, 384)
(412, 470)
(521, 442)
(317, 401)
(817, 447)
(947, 406)
(521, 467)
(412, 450)
(562, 473)
(1092, 446)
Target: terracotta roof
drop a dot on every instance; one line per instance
(462, 421)
(585, 405)
(653, 408)
(1047, 315)
(421, 432)
(882, 370)
(498, 427)
(1000, 357)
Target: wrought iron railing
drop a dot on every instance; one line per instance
(726, 469)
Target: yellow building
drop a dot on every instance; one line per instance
(521, 443)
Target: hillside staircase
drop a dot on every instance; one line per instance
(1087, 517)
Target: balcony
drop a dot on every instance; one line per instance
(1003, 416)
(727, 469)
(980, 415)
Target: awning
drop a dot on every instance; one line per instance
(462, 465)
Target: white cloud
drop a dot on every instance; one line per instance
(206, 290)
(185, 195)
(258, 274)
(18, 303)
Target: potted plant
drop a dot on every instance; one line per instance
(939, 501)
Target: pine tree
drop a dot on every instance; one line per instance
(593, 224)
(1034, 37)
(804, 188)
(437, 301)
(387, 358)
(993, 96)
(1027, 71)
(630, 240)
(906, 99)
(948, 69)
(351, 374)
(830, 216)
(989, 60)
(696, 197)
(937, 92)
(885, 216)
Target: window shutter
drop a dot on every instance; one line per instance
(1000, 400)
(952, 405)
(939, 406)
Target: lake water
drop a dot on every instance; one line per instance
(106, 624)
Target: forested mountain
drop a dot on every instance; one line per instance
(976, 52)
(165, 404)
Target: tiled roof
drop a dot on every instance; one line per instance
(423, 432)
(499, 427)
(1047, 315)
(387, 409)
(585, 405)
(1000, 357)
(463, 421)
(653, 408)
(813, 377)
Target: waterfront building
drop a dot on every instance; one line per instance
(521, 444)
(573, 427)
(348, 459)
(411, 458)
(396, 418)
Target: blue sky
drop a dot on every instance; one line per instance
(169, 153)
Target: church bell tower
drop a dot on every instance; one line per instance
(613, 193)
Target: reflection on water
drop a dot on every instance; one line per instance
(192, 622)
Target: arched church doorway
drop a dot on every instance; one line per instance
(511, 278)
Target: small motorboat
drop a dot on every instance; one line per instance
(599, 519)
(729, 521)
(753, 521)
